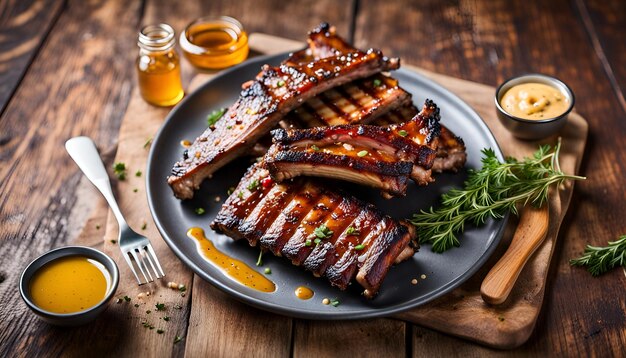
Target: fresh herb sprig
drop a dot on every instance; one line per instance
(492, 191)
(599, 259)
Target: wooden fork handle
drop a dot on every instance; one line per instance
(530, 233)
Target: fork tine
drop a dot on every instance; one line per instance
(150, 260)
(144, 258)
(139, 264)
(154, 258)
(132, 268)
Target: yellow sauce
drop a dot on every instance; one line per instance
(534, 101)
(235, 269)
(304, 293)
(70, 284)
(215, 44)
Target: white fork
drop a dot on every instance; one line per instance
(84, 152)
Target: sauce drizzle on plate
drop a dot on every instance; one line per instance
(235, 269)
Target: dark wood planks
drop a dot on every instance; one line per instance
(79, 83)
(489, 41)
(24, 26)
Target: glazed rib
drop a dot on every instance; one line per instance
(262, 104)
(381, 157)
(282, 218)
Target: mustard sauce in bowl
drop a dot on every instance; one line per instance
(534, 101)
(69, 286)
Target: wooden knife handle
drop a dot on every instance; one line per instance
(530, 233)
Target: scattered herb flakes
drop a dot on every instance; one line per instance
(315, 148)
(148, 312)
(308, 242)
(317, 241)
(377, 82)
(177, 339)
(119, 300)
(229, 127)
(259, 261)
(160, 331)
(138, 173)
(126, 298)
(120, 170)
(147, 325)
(147, 143)
(500, 318)
(253, 185)
(335, 302)
(97, 227)
(182, 288)
(268, 271)
(240, 195)
(280, 83)
(362, 153)
(166, 318)
(215, 116)
(144, 226)
(359, 247)
(178, 307)
(135, 190)
(323, 232)
(160, 306)
(200, 211)
(136, 304)
(403, 133)
(114, 242)
(352, 231)
(230, 191)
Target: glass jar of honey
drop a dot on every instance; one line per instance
(158, 66)
(214, 43)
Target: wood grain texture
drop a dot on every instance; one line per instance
(489, 41)
(24, 26)
(79, 76)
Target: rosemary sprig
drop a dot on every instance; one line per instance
(600, 259)
(492, 191)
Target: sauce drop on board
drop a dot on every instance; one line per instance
(235, 269)
(304, 293)
(69, 284)
(534, 101)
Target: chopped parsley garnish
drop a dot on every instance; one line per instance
(114, 241)
(135, 190)
(126, 298)
(160, 306)
(144, 226)
(147, 325)
(120, 170)
(147, 143)
(229, 127)
(200, 211)
(317, 241)
(136, 304)
(280, 83)
(253, 185)
(359, 247)
(377, 83)
(138, 173)
(182, 288)
(97, 227)
(148, 312)
(403, 133)
(308, 242)
(240, 195)
(160, 331)
(230, 190)
(166, 318)
(352, 231)
(323, 232)
(315, 148)
(334, 302)
(268, 271)
(362, 153)
(215, 116)
(178, 307)
(177, 339)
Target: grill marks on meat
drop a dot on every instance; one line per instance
(381, 157)
(262, 104)
(282, 218)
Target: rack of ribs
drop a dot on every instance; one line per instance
(327, 232)
(381, 157)
(263, 102)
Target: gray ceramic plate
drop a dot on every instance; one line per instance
(443, 271)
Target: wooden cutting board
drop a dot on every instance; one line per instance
(462, 312)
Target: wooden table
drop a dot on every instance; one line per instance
(66, 68)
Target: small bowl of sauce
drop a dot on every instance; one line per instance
(69, 286)
(214, 43)
(534, 106)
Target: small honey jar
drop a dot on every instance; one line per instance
(214, 43)
(158, 66)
